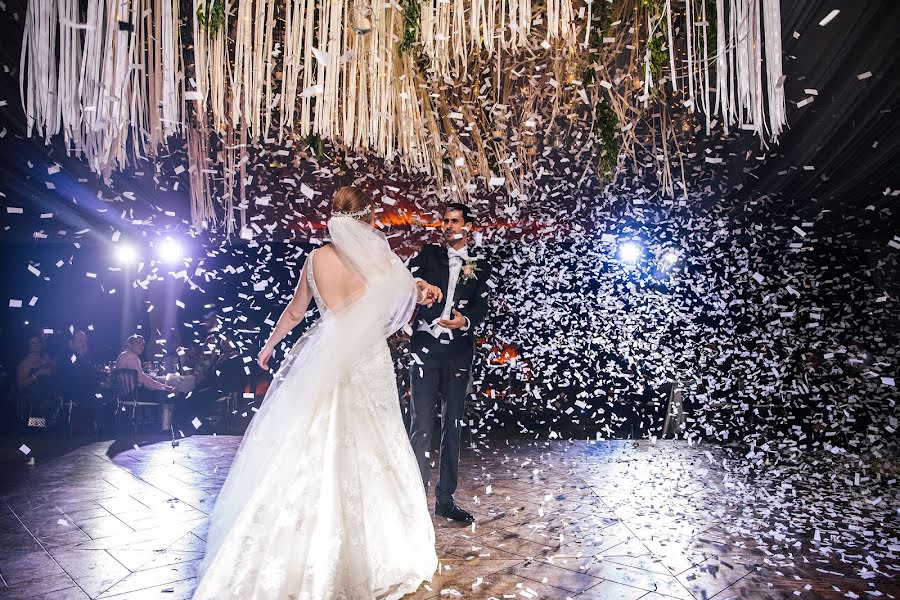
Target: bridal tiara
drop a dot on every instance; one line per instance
(352, 215)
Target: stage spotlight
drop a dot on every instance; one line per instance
(170, 250)
(126, 254)
(668, 259)
(629, 252)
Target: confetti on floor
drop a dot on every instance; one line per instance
(565, 519)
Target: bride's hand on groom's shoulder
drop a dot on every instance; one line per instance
(262, 359)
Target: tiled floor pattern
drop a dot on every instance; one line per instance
(555, 520)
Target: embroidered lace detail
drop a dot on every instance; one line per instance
(311, 280)
(371, 379)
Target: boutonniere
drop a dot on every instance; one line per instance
(469, 270)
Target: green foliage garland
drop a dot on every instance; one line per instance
(211, 15)
(410, 25)
(658, 55)
(600, 21)
(316, 144)
(605, 121)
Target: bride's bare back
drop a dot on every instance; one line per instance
(333, 282)
(336, 283)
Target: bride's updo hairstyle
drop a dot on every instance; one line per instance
(350, 201)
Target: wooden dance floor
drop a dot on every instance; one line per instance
(592, 521)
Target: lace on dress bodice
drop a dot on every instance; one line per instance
(311, 280)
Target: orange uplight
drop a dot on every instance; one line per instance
(406, 217)
(490, 392)
(504, 354)
(400, 219)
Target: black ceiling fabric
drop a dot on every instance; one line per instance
(848, 134)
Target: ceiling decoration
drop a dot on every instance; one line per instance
(473, 93)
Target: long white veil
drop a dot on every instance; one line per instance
(322, 358)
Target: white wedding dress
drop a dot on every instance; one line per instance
(324, 499)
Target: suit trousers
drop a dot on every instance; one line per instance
(431, 386)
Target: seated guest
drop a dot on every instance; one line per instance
(171, 358)
(34, 387)
(79, 381)
(130, 358)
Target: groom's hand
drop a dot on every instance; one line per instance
(458, 321)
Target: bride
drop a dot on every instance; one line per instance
(324, 498)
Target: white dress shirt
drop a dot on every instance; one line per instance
(456, 258)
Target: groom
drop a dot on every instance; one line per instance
(443, 346)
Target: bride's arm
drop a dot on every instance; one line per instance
(293, 313)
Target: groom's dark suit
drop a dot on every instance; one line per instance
(442, 365)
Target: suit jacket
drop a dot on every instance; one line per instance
(470, 299)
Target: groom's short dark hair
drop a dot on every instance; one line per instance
(465, 210)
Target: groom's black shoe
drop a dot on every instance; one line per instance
(452, 511)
